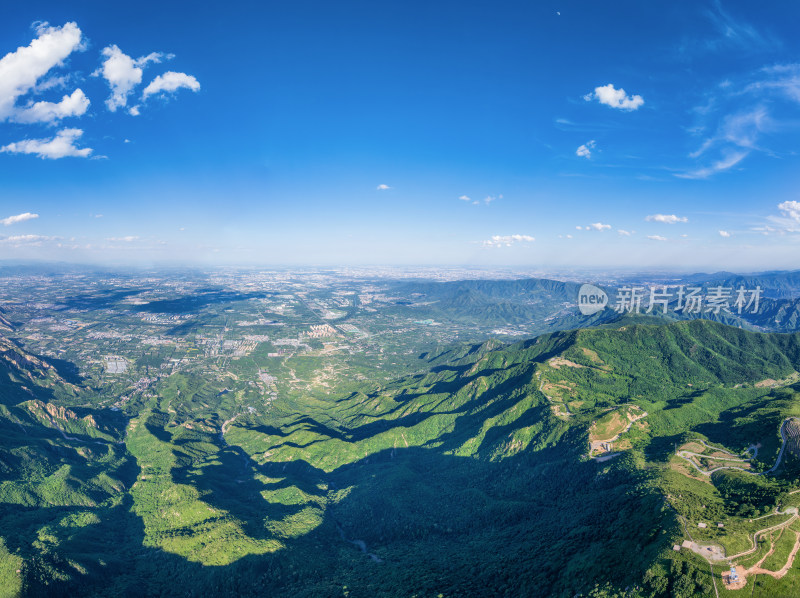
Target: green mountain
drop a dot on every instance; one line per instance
(569, 464)
(542, 305)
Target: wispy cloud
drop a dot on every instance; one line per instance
(382, 187)
(724, 233)
(615, 98)
(735, 32)
(625, 233)
(744, 114)
(666, 218)
(729, 161)
(20, 240)
(127, 239)
(784, 79)
(656, 238)
(18, 218)
(507, 240)
(740, 130)
(465, 198)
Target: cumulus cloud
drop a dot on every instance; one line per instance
(656, 238)
(624, 233)
(465, 198)
(507, 240)
(666, 218)
(21, 70)
(585, 150)
(18, 218)
(383, 187)
(788, 221)
(75, 104)
(615, 98)
(170, 81)
(598, 226)
(123, 73)
(791, 209)
(724, 233)
(60, 146)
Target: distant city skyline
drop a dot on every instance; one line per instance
(544, 136)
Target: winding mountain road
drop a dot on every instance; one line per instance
(682, 455)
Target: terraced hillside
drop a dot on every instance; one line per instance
(474, 475)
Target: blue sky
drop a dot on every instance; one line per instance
(643, 134)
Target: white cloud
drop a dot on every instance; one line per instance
(598, 226)
(616, 98)
(791, 209)
(18, 218)
(783, 78)
(656, 238)
(585, 150)
(21, 70)
(18, 240)
(741, 130)
(490, 198)
(624, 233)
(581, 228)
(127, 239)
(465, 198)
(60, 146)
(383, 187)
(788, 221)
(507, 240)
(724, 233)
(735, 33)
(123, 73)
(666, 218)
(45, 112)
(170, 81)
(729, 161)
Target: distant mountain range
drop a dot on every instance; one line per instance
(543, 305)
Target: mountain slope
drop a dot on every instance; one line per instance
(543, 468)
